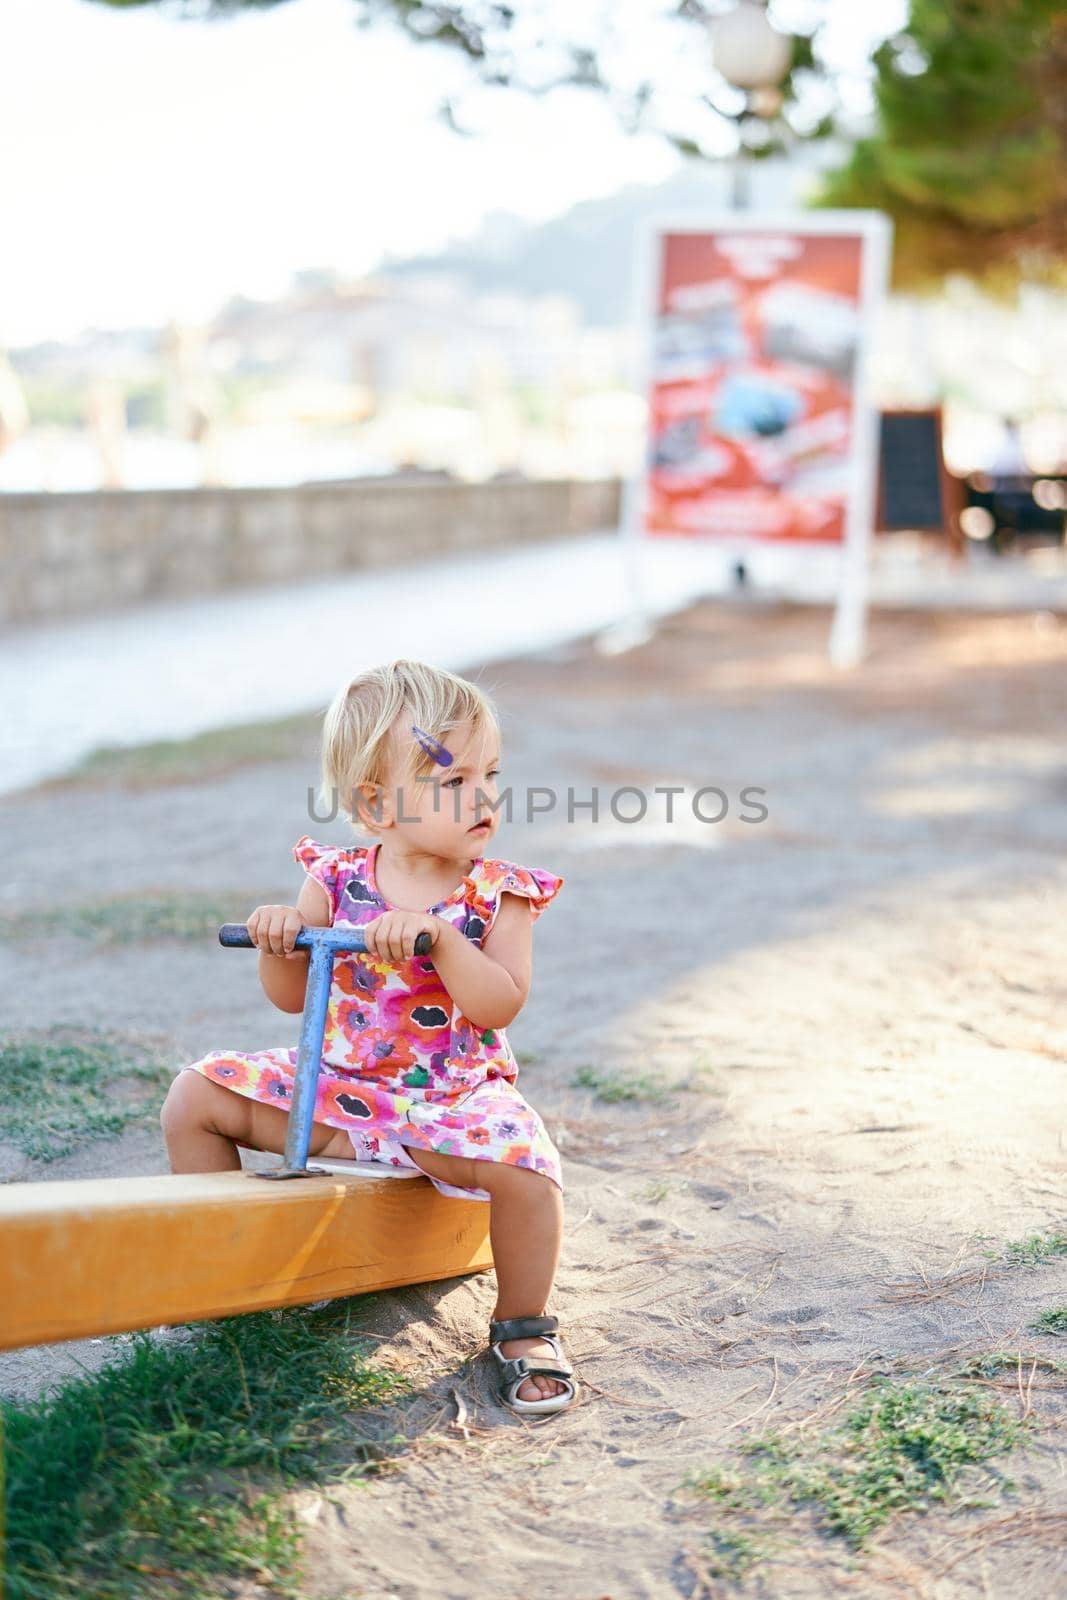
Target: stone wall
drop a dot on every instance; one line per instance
(65, 554)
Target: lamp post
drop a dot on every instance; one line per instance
(753, 57)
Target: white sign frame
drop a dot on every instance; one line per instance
(848, 633)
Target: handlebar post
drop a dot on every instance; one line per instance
(324, 944)
(308, 1060)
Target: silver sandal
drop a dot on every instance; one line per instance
(511, 1371)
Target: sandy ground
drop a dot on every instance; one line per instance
(856, 1006)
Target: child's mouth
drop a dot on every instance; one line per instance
(480, 827)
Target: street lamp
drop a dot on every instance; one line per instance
(755, 58)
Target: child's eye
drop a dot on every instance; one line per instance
(458, 778)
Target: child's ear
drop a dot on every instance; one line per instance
(372, 805)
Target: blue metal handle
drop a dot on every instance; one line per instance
(324, 944)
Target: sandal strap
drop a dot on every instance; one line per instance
(538, 1367)
(522, 1328)
(512, 1372)
(551, 1366)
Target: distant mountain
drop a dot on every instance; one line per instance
(588, 252)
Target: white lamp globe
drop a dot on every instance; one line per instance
(748, 52)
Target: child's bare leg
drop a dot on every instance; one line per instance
(526, 1234)
(202, 1120)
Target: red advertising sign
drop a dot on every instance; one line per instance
(756, 406)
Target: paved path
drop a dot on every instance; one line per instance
(180, 667)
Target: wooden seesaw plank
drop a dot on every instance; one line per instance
(107, 1255)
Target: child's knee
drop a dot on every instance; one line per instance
(183, 1104)
(532, 1186)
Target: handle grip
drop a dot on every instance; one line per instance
(235, 936)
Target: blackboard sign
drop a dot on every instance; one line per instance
(915, 488)
(911, 471)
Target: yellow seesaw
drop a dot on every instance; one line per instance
(108, 1255)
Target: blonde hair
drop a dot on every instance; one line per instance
(357, 747)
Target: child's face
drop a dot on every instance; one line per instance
(449, 812)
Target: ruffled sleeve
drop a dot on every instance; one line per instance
(323, 863)
(534, 884)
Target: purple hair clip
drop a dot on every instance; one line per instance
(432, 748)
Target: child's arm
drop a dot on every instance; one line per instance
(489, 985)
(284, 977)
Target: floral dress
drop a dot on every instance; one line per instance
(401, 1065)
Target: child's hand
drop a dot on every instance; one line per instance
(274, 929)
(391, 937)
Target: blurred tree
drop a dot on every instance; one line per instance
(14, 411)
(58, 401)
(538, 46)
(969, 155)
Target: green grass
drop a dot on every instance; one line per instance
(1036, 1251)
(1052, 1321)
(165, 1472)
(732, 1555)
(997, 1363)
(655, 1191)
(193, 760)
(139, 916)
(906, 1447)
(66, 1086)
(612, 1086)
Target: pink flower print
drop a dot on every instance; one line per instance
(359, 976)
(425, 1015)
(229, 1071)
(464, 1038)
(354, 1016)
(342, 1101)
(275, 1086)
(380, 1054)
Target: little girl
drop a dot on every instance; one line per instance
(416, 1069)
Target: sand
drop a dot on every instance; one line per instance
(854, 1009)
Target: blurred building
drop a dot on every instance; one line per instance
(345, 378)
(513, 352)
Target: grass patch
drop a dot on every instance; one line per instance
(1036, 1251)
(908, 1445)
(655, 1190)
(613, 1087)
(65, 1087)
(703, 1077)
(1053, 1322)
(164, 1473)
(193, 760)
(732, 1555)
(139, 916)
(995, 1364)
